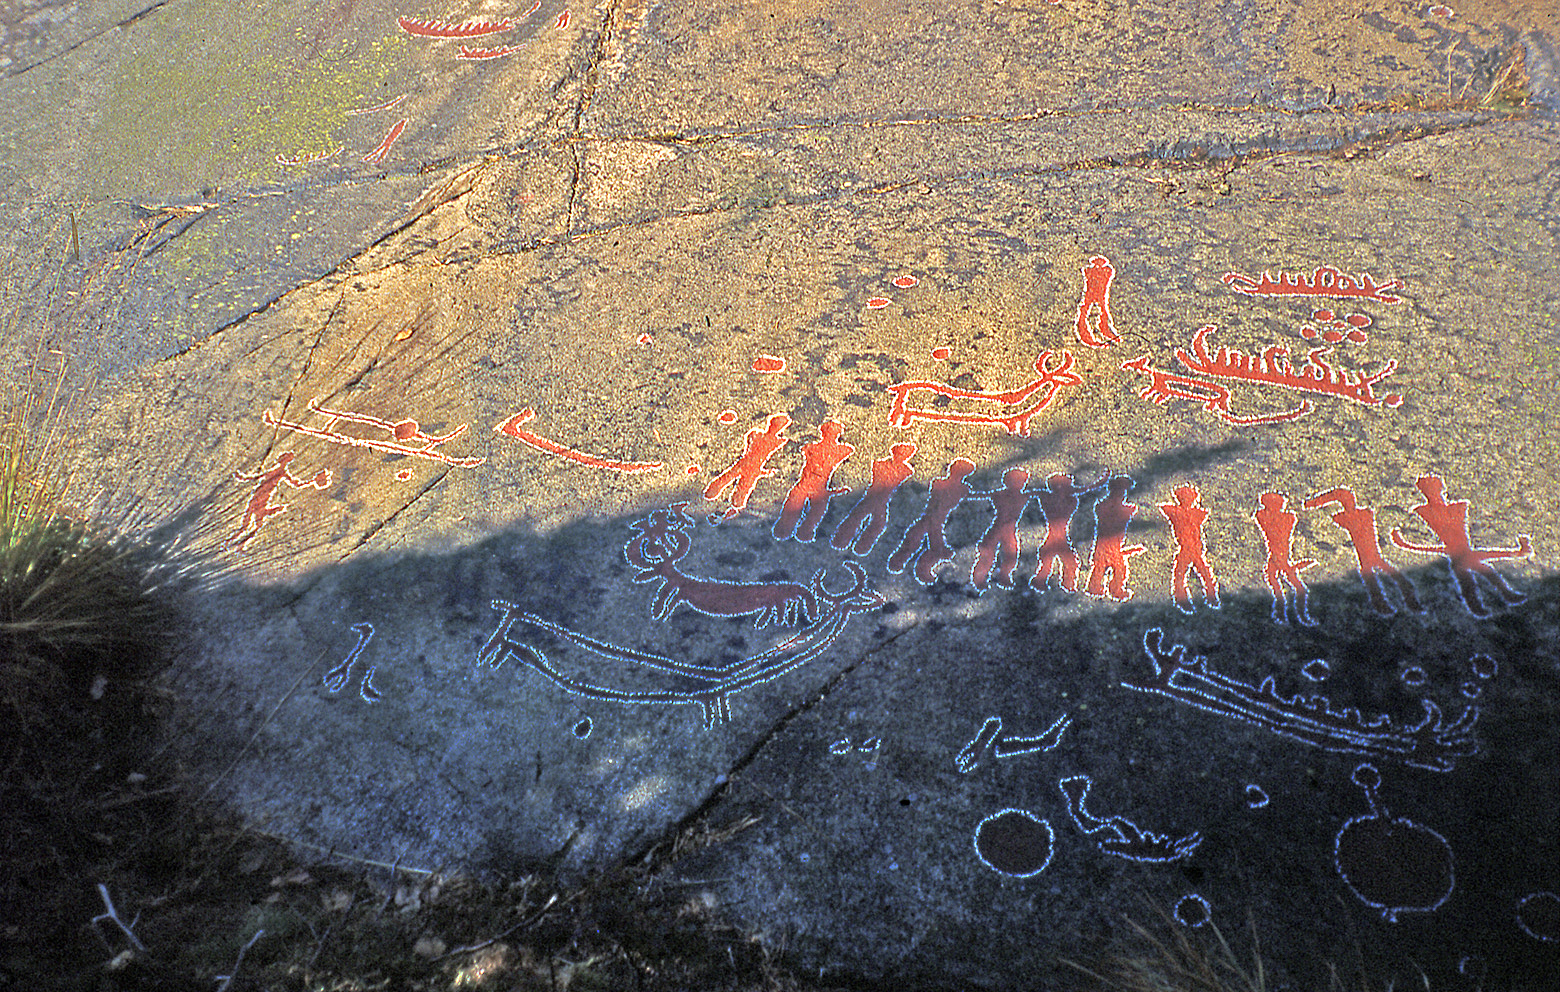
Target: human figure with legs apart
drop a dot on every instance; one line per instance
(1186, 523)
(930, 531)
(867, 520)
(1277, 524)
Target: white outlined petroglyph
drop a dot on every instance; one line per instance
(990, 737)
(870, 747)
(1390, 863)
(1118, 835)
(409, 438)
(662, 539)
(1256, 797)
(1483, 668)
(338, 678)
(1193, 911)
(1433, 743)
(1538, 914)
(1015, 842)
(710, 687)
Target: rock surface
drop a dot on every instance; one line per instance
(500, 366)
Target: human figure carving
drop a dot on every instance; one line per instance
(1450, 523)
(1359, 522)
(1111, 516)
(999, 545)
(1097, 276)
(260, 507)
(869, 517)
(947, 492)
(1277, 524)
(1059, 501)
(745, 472)
(1186, 523)
(811, 494)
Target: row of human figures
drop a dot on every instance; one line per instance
(924, 545)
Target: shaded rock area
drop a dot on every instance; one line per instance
(1030, 457)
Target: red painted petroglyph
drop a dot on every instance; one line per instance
(869, 517)
(562, 22)
(375, 110)
(694, 470)
(1111, 516)
(727, 417)
(878, 302)
(443, 29)
(645, 339)
(1333, 329)
(407, 437)
(1271, 367)
(482, 54)
(999, 545)
(1326, 282)
(404, 475)
(808, 500)
(662, 539)
(260, 508)
(768, 363)
(309, 159)
(1214, 397)
(745, 472)
(1449, 521)
(1277, 524)
(378, 154)
(533, 9)
(942, 354)
(931, 531)
(1441, 10)
(1058, 502)
(1186, 524)
(1010, 410)
(907, 282)
(1359, 522)
(1392, 864)
(1097, 276)
(512, 427)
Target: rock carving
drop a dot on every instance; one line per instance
(1392, 864)
(1325, 281)
(513, 427)
(1450, 523)
(710, 687)
(1011, 410)
(1118, 835)
(1433, 743)
(406, 437)
(662, 539)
